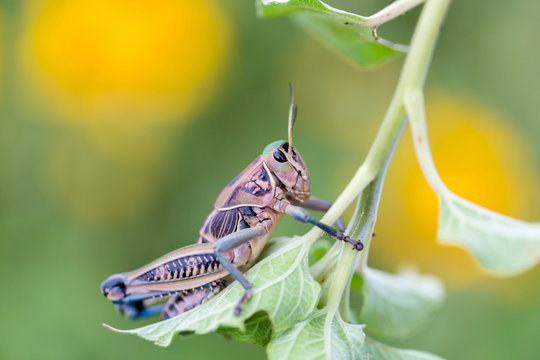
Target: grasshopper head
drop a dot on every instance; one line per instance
(285, 161)
(287, 165)
(114, 287)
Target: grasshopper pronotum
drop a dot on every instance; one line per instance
(230, 240)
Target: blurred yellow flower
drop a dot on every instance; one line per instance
(479, 158)
(115, 60)
(121, 76)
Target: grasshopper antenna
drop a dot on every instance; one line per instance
(293, 111)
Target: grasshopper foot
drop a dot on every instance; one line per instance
(357, 245)
(243, 300)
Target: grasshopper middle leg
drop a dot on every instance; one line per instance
(233, 241)
(317, 204)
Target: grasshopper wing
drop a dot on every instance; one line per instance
(254, 186)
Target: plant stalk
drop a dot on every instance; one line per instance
(412, 80)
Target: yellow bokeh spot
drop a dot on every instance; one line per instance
(112, 60)
(121, 77)
(479, 158)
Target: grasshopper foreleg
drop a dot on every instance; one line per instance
(317, 204)
(233, 241)
(301, 215)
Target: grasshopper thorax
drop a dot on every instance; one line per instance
(288, 167)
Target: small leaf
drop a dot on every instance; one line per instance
(502, 244)
(338, 27)
(396, 305)
(319, 249)
(355, 42)
(258, 330)
(282, 288)
(380, 351)
(319, 338)
(357, 282)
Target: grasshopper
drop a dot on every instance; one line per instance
(245, 213)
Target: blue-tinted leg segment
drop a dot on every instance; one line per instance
(301, 215)
(230, 242)
(137, 310)
(314, 203)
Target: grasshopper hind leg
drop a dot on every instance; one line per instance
(187, 300)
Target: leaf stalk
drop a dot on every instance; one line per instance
(370, 175)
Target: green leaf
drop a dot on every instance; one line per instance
(396, 305)
(340, 28)
(319, 249)
(319, 337)
(502, 244)
(258, 330)
(380, 351)
(282, 288)
(353, 41)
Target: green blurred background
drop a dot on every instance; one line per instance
(121, 120)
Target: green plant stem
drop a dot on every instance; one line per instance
(361, 227)
(414, 72)
(341, 279)
(414, 102)
(412, 80)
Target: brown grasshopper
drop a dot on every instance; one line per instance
(230, 240)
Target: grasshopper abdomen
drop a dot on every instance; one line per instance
(187, 300)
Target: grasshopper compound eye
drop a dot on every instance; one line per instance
(114, 288)
(279, 156)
